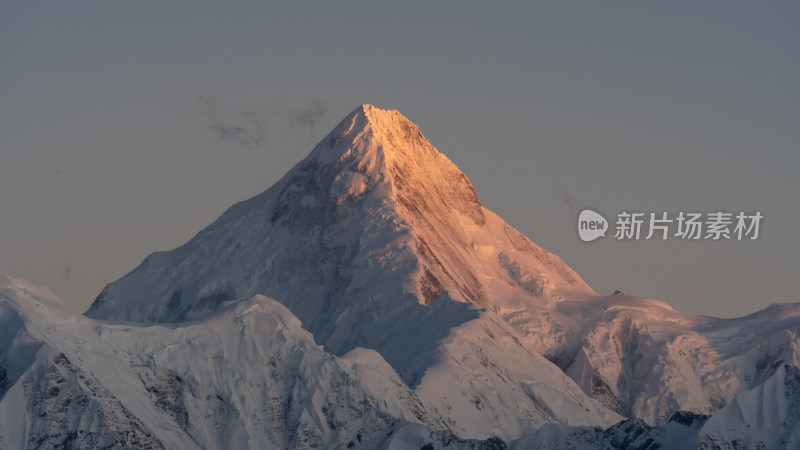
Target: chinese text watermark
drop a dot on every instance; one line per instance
(714, 226)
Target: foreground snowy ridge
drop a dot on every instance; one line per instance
(369, 300)
(248, 376)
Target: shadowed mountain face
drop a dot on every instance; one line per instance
(377, 240)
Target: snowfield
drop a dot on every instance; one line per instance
(369, 300)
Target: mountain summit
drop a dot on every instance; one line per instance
(372, 145)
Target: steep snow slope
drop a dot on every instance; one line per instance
(247, 376)
(766, 417)
(46, 401)
(377, 240)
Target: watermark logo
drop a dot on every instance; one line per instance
(591, 225)
(634, 226)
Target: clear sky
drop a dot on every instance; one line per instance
(126, 127)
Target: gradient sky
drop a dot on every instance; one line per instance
(126, 127)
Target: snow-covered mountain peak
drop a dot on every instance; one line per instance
(32, 300)
(9, 282)
(373, 201)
